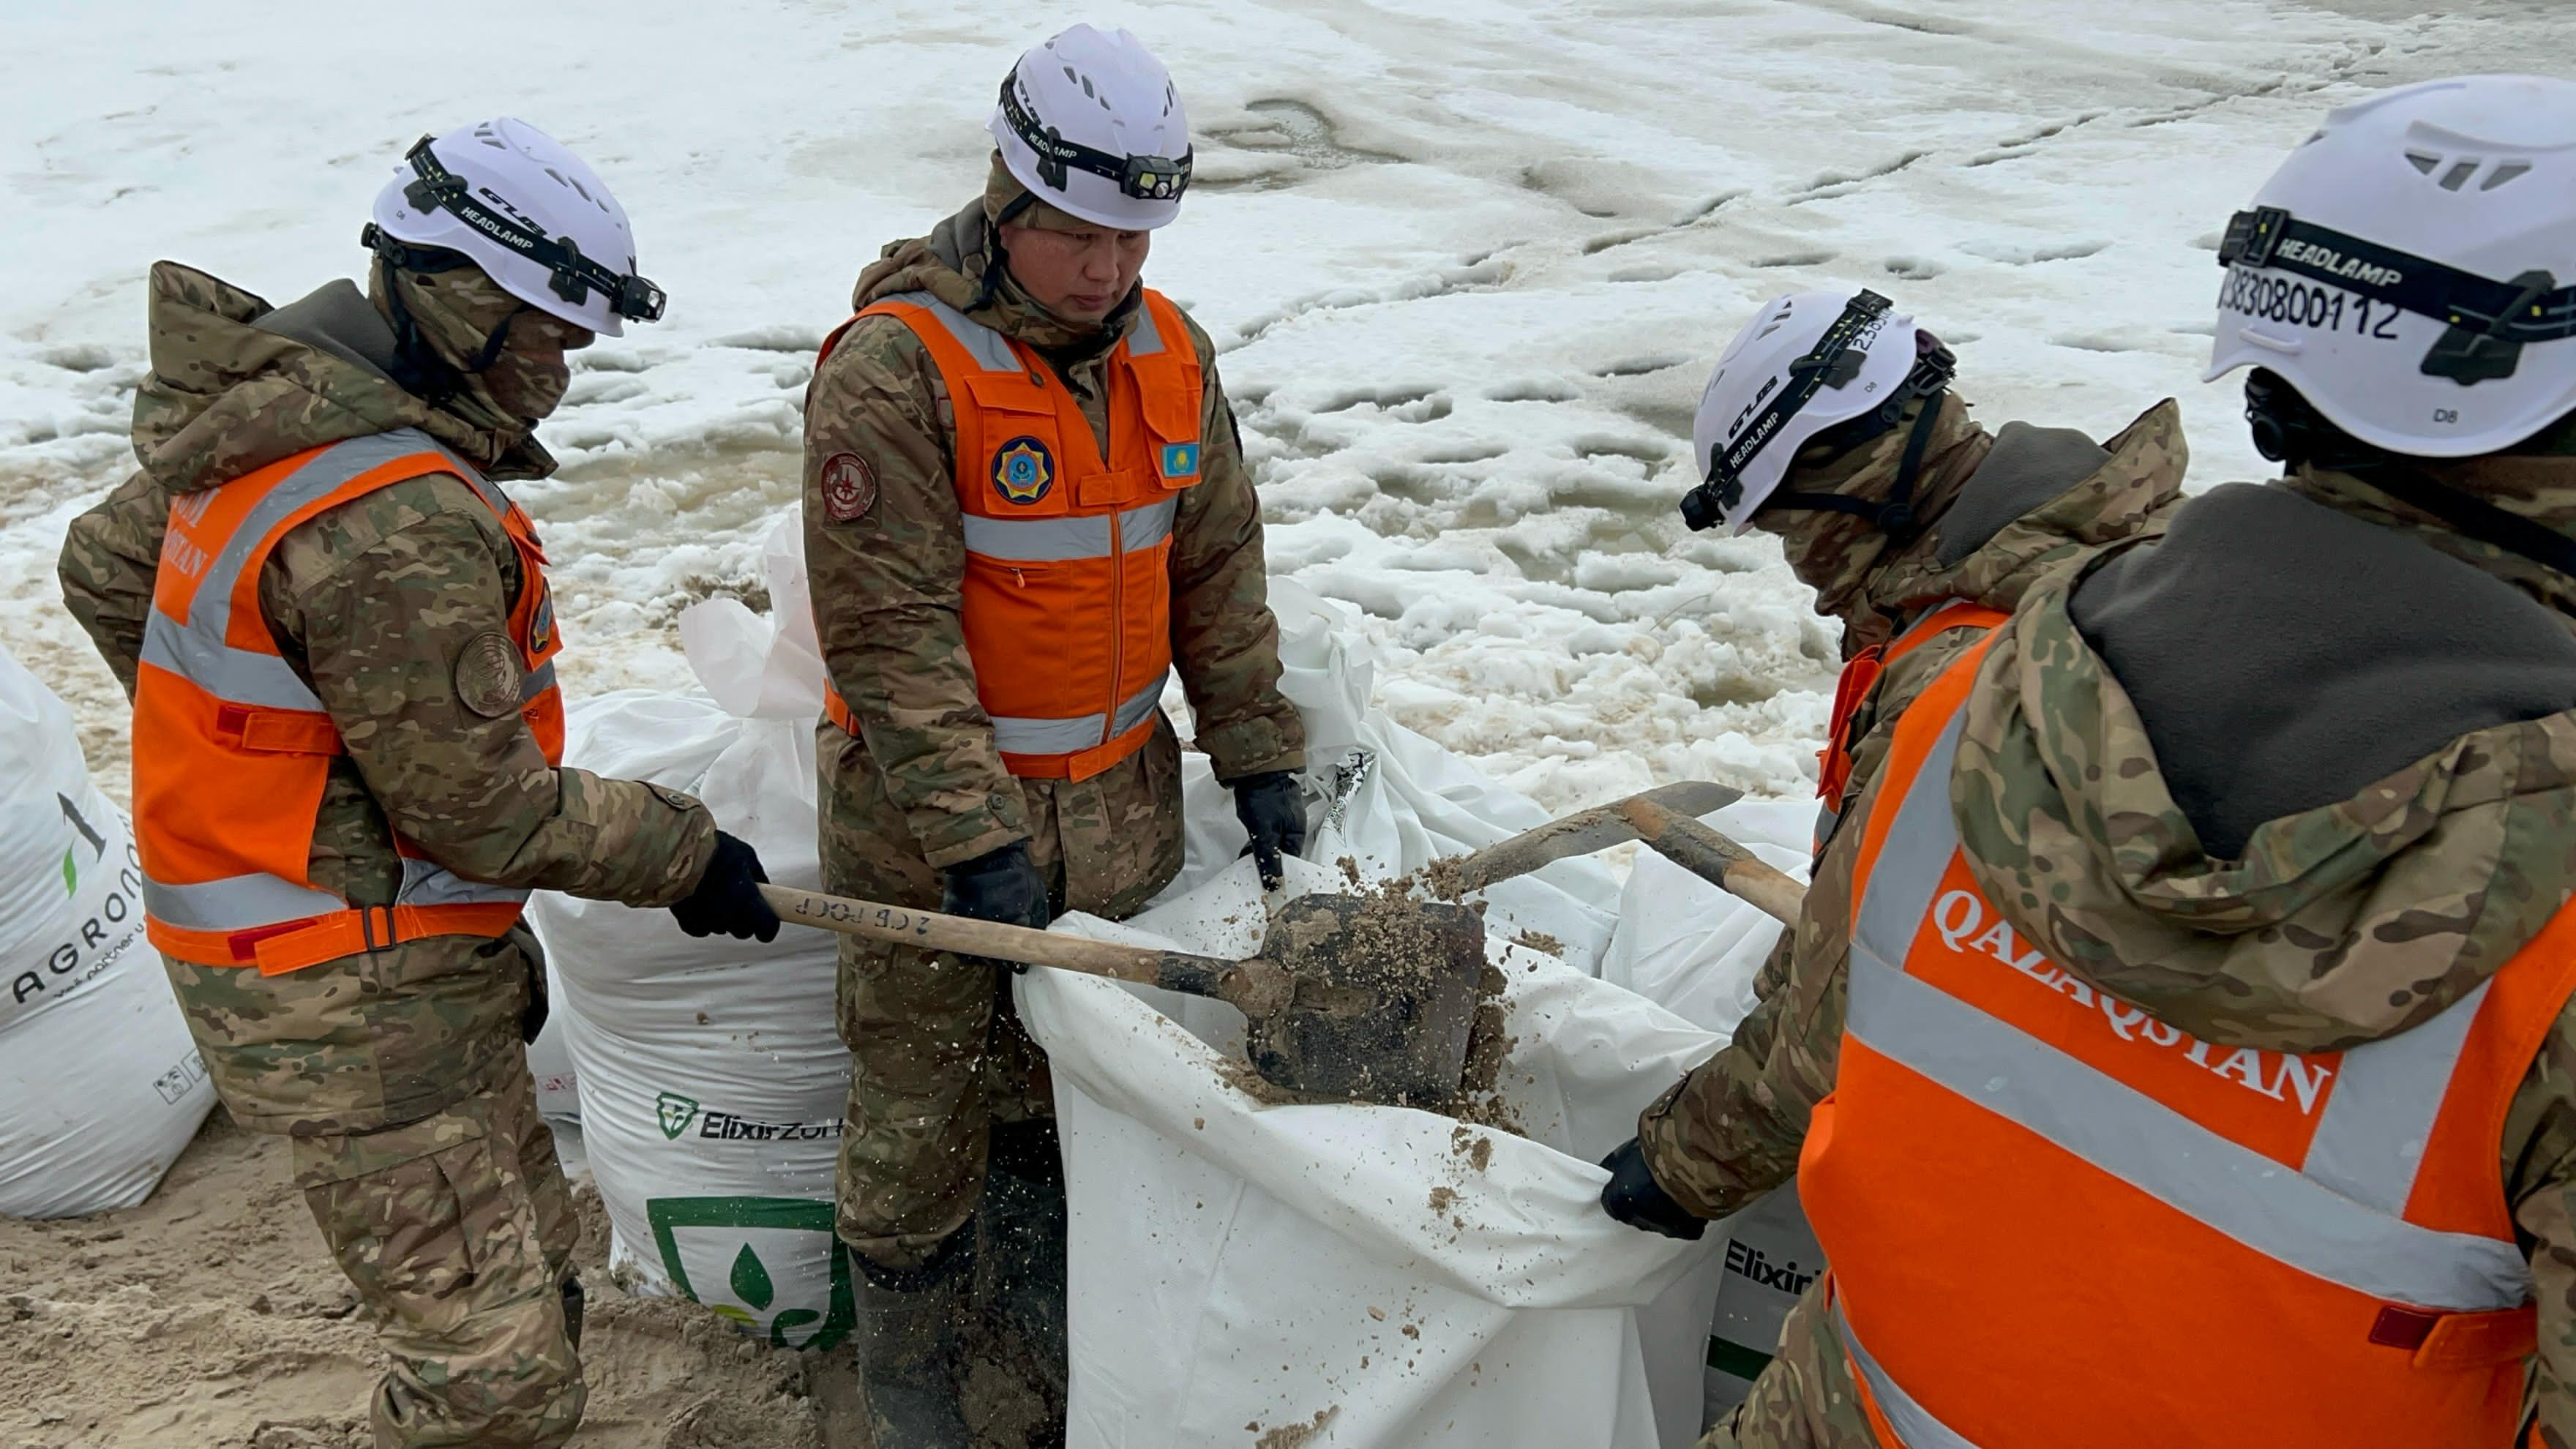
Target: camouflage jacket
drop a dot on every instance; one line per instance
(2007, 512)
(374, 603)
(886, 581)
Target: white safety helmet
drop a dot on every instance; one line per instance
(2411, 269)
(509, 198)
(1808, 364)
(1089, 123)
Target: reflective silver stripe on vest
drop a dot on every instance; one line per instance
(536, 682)
(1913, 1423)
(1055, 540)
(243, 676)
(196, 649)
(1020, 736)
(240, 903)
(2371, 1140)
(2296, 1220)
(990, 349)
(1145, 339)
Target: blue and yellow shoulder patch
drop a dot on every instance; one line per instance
(1180, 460)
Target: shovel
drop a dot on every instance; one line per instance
(1665, 819)
(1351, 998)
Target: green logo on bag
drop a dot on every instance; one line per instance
(718, 1232)
(676, 1113)
(97, 844)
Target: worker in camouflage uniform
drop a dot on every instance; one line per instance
(338, 637)
(1025, 503)
(1918, 529)
(2200, 1041)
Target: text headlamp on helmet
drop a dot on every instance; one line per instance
(1145, 178)
(2490, 321)
(573, 276)
(1835, 361)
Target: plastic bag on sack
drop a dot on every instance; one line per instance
(712, 1082)
(1385, 1275)
(101, 1086)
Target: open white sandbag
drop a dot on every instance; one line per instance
(100, 1084)
(1389, 798)
(1387, 1275)
(711, 1079)
(1692, 948)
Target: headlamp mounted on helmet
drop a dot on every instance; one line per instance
(1145, 178)
(2489, 321)
(1834, 362)
(574, 276)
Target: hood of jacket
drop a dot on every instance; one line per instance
(960, 263)
(2295, 775)
(236, 384)
(2002, 511)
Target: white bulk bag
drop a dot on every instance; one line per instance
(711, 1079)
(1387, 1274)
(101, 1086)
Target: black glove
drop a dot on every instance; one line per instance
(1634, 1197)
(999, 885)
(1273, 812)
(727, 901)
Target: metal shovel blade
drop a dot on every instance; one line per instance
(1385, 996)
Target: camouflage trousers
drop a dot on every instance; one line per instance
(457, 1231)
(1806, 1398)
(937, 1053)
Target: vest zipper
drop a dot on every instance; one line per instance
(1117, 625)
(1117, 545)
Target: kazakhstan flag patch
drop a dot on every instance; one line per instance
(1180, 460)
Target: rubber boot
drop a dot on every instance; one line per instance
(1020, 1288)
(907, 1342)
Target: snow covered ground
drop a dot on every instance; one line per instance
(1468, 263)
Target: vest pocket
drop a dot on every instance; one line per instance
(1037, 635)
(1172, 411)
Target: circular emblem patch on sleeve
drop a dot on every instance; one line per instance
(849, 489)
(487, 676)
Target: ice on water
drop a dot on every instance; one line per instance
(1468, 265)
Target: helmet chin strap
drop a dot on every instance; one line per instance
(1895, 515)
(422, 372)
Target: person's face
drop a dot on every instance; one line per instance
(1078, 275)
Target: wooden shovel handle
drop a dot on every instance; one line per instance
(1244, 984)
(1714, 858)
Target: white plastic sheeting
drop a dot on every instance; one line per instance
(101, 1086)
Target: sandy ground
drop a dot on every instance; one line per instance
(211, 1317)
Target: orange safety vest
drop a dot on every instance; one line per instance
(1067, 603)
(1859, 677)
(232, 748)
(2055, 1220)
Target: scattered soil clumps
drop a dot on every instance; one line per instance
(1297, 1435)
